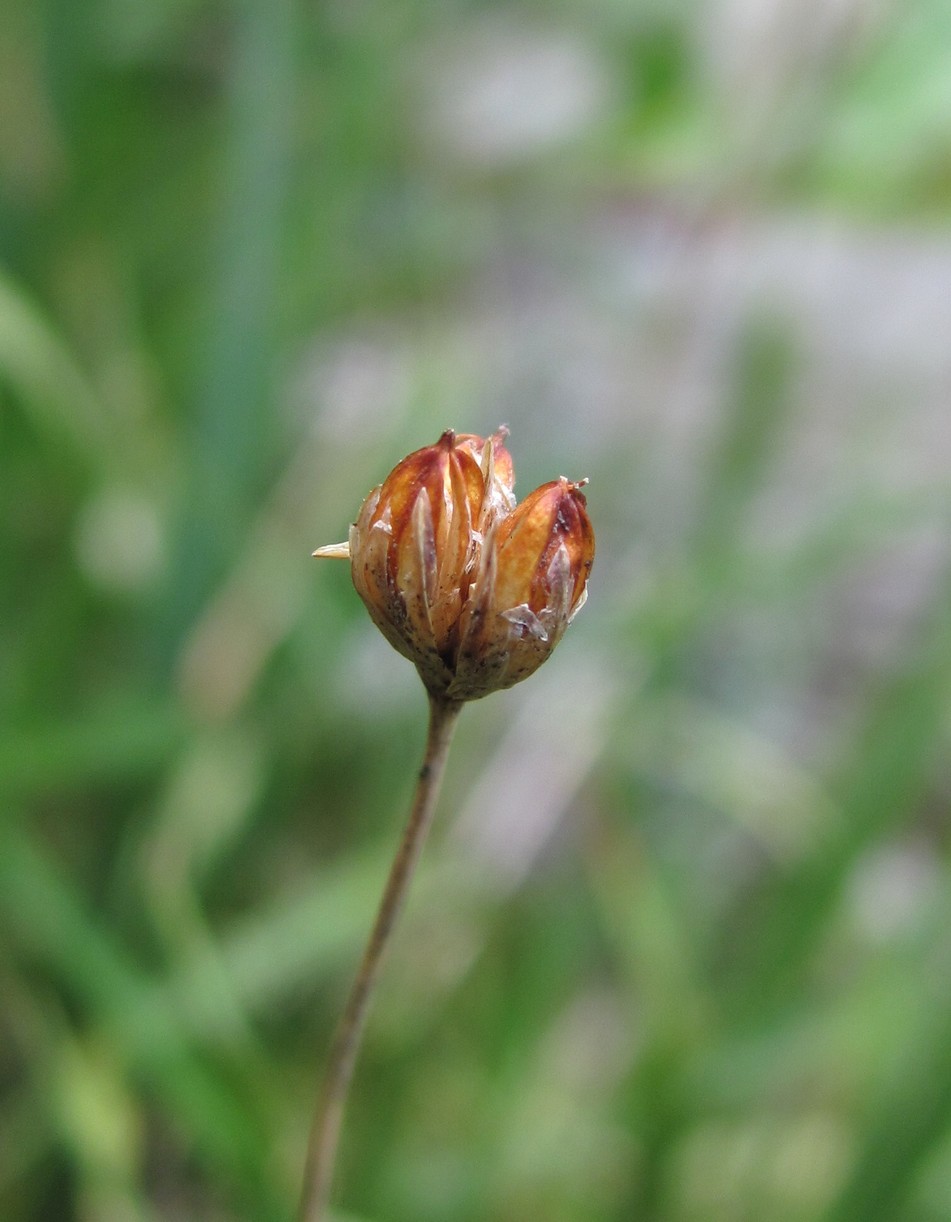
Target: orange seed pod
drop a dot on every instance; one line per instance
(473, 589)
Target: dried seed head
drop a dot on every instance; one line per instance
(473, 589)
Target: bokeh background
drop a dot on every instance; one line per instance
(680, 950)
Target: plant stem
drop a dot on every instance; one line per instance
(325, 1132)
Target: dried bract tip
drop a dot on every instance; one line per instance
(472, 588)
(333, 551)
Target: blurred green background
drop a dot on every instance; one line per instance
(680, 950)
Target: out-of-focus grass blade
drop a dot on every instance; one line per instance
(233, 443)
(280, 949)
(103, 745)
(49, 925)
(748, 442)
(35, 363)
(887, 774)
(749, 435)
(658, 963)
(909, 1115)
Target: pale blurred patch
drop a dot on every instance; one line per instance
(892, 889)
(530, 783)
(120, 541)
(789, 1166)
(502, 91)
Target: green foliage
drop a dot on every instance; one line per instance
(679, 950)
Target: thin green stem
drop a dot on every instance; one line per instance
(325, 1132)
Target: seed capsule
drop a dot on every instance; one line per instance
(473, 589)
(532, 582)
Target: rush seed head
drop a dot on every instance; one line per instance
(471, 587)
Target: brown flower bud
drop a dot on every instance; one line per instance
(473, 590)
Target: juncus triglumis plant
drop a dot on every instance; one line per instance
(476, 590)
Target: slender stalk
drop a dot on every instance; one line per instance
(325, 1132)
